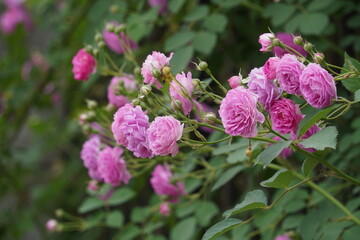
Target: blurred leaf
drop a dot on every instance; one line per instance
(229, 148)
(280, 179)
(351, 84)
(216, 22)
(357, 96)
(200, 12)
(313, 23)
(178, 40)
(353, 22)
(352, 233)
(279, 13)
(228, 3)
(253, 200)
(191, 184)
(271, 153)
(240, 232)
(181, 59)
(205, 212)
(176, 5)
(204, 42)
(308, 165)
(237, 156)
(120, 196)
(227, 176)
(324, 138)
(184, 230)
(115, 219)
(268, 217)
(139, 214)
(90, 204)
(292, 222)
(220, 228)
(187, 208)
(130, 232)
(319, 4)
(294, 23)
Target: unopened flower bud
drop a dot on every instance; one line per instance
(270, 48)
(166, 70)
(93, 185)
(90, 115)
(196, 82)
(176, 105)
(156, 73)
(98, 37)
(109, 108)
(59, 213)
(95, 52)
(319, 57)
(308, 47)
(88, 49)
(91, 104)
(210, 117)
(298, 40)
(203, 66)
(248, 152)
(276, 42)
(136, 102)
(145, 90)
(51, 225)
(101, 44)
(114, 8)
(137, 71)
(110, 27)
(120, 28)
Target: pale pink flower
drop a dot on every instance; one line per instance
(12, 17)
(164, 209)
(113, 42)
(116, 98)
(265, 40)
(181, 90)
(51, 225)
(234, 81)
(288, 72)
(84, 64)
(89, 155)
(159, 3)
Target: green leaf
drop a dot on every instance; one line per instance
(294, 23)
(357, 96)
(115, 219)
(253, 200)
(237, 156)
(313, 23)
(130, 232)
(322, 139)
(198, 13)
(191, 184)
(220, 228)
(280, 179)
(227, 176)
(178, 40)
(186, 208)
(216, 22)
(139, 214)
(319, 4)
(279, 13)
(184, 230)
(271, 153)
(206, 212)
(308, 165)
(176, 5)
(229, 148)
(204, 42)
(352, 233)
(351, 84)
(120, 196)
(292, 222)
(181, 58)
(228, 3)
(90, 204)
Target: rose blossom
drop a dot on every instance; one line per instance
(161, 183)
(129, 129)
(12, 17)
(116, 99)
(288, 72)
(285, 116)
(113, 42)
(234, 81)
(112, 167)
(163, 134)
(177, 91)
(282, 237)
(317, 86)
(239, 114)
(265, 40)
(288, 40)
(164, 209)
(311, 131)
(266, 90)
(89, 155)
(156, 60)
(84, 64)
(270, 68)
(51, 225)
(161, 3)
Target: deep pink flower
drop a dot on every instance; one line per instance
(164, 209)
(270, 68)
(239, 113)
(285, 116)
(234, 81)
(129, 129)
(288, 72)
(312, 130)
(288, 40)
(317, 86)
(161, 3)
(89, 155)
(112, 167)
(162, 185)
(180, 93)
(265, 40)
(156, 60)
(51, 225)
(84, 64)
(12, 17)
(113, 42)
(115, 98)
(266, 90)
(163, 134)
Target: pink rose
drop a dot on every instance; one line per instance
(239, 113)
(288, 72)
(84, 64)
(282, 237)
(159, 3)
(89, 155)
(317, 86)
(112, 167)
(288, 40)
(234, 81)
(183, 93)
(115, 98)
(156, 60)
(161, 182)
(51, 225)
(164, 209)
(265, 40)
(129, 129)
(113, 42)
(12, 17)
(270, 68)
(285, 116)
(163, 134)
(266, 90)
